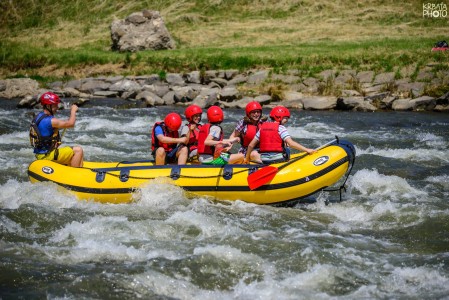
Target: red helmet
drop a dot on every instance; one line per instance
(253, 105)
(173, 121)
(279, 112)
(49, 98)
(215, 114)
(192, 110)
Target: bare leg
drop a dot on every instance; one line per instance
(255, 156)
(78, 157)
(160, 156)
(182, 155)
(236, 158)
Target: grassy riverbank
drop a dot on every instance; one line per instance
(66, 41)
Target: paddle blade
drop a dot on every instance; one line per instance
(261, 177)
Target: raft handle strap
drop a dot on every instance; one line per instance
(227, 172)
(124, 175)
(175, 172)
(100, 176)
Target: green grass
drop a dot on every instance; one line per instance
(380, 55)
(306, 35)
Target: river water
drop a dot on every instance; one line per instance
(388, 238)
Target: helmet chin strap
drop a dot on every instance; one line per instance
(48, 108)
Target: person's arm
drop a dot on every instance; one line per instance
(292, 144)
(170, 140)
(233, 138)
(57, 123)
(186, 131)
(210, 141)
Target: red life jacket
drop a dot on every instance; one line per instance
(249, 134)
(270, 140)
(204, 132)
(155, 142)
(193, 140)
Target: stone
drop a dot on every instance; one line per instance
(18, 87)
(158, 89)
(423, 103)
(125, 85)
(384, 78)
(106, 94)
(288, 79)
(144, 30)
(193, 77)
(402, 104)
(174, 79)
(319, 102)
(92, 85)
(292, 96)
(263, 99)
(354, 103)
(365, 76)
(258, 77)
(150, 99)
(229, 94)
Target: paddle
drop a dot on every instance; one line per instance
(266, 174)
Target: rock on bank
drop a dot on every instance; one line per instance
(329, 90)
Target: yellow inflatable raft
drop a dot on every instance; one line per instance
(118, 182)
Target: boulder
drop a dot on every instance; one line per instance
(141, 31)
(355, 103)
(125, 85)
(149, 98)
(229, 94)
(319, 102)
(18, 88)
(402, 104)
(423, 103)
(365, 76)
(258, 77)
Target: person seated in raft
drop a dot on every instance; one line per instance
(45, 137)
(247, 128)
(164, 140)
(274, 139)
(210, 138)
(192, 128)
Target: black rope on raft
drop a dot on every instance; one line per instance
(170, 176)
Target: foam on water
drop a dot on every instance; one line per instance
(372, 184)
(46, 194)
(314, 130)
(442, 181)
(138, 124)
(160, 194)
(431, 140)
(418, 280)
(415, 154)
(382, 202)
(15, 138)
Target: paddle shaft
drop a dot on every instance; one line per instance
(266, 174)
(63, 132)
(299, 157)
